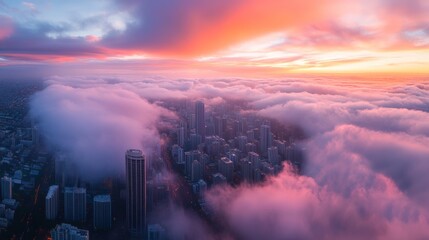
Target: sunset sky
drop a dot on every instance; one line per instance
(238, 37)
(344, 85)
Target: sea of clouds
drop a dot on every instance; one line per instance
(366, 175)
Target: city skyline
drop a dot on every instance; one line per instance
(214, 120)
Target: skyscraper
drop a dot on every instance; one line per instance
(265, 138)
(75, 204)
(196, 171)
(200, 120)
(181, 136)
(273, 155)
(51, 202)
(226, 167)
(102, 212)
(6, 187)
(136, 191)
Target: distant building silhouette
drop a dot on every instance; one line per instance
(200, 120)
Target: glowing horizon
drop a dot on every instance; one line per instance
(274, 38)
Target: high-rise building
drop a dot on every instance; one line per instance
(226, 167)
(51, 202)
(273, 155)
(196, 171)
(180, 156)
(218, 178)
(6, 187)
(254, 159)
(189, 159)
(200, 120)
(102, 206)
(181, 136)
(75, 204)
(265, 138)
(136, 191)
(246, 168)
(68, 232)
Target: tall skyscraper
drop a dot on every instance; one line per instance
(200, 120)
(265, 138)
(51, 202)
(75, 204)
(6, 187)
(273, 155)
(102, 205)
(136, 191)
(68, 232)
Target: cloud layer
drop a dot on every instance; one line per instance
(95, 126)
(365, 173)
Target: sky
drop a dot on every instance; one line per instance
(207, 38)
(352, 74)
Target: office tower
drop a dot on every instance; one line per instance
(156, 232)
(102, 208)
(226, 168)
(242, 141)
(51, 202)
(194, 140)
(254, 159)
(68, 232)
(246, 168)
(136, 191)
(218, 178)
(273, 155)
(200, 120)
(189, 159)
(265, 138)
(180, 156)
(250, 135)
(250, 147)
(181, 136)
(6, 187)
(196, 171)
(218, 124)
(267, 168)
(281, 146)
(75, 204)
(202, 188)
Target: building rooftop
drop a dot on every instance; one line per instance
(102, 198)
(51, 191)
(134, 153)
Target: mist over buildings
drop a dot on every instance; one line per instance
(367, 156)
